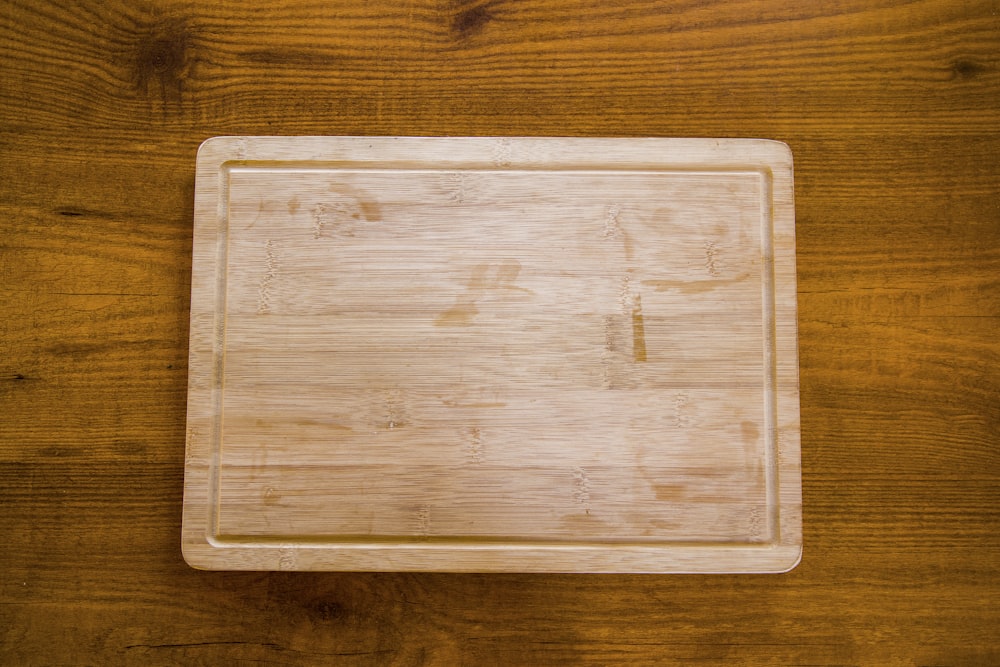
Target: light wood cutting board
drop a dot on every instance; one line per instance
(482, 354)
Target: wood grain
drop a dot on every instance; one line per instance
(891, 111)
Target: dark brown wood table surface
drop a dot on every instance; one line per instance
(892, 111)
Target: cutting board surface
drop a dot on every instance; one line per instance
(493, 355)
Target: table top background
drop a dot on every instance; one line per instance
(892, 110)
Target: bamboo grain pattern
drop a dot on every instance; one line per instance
(493, 354)
(891, 111)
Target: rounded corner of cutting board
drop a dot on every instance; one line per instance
(199, 554)
(214, 151)
(786, 559)
(772, 151)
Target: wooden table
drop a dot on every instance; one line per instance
(892, 111)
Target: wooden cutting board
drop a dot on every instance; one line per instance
(482, 354)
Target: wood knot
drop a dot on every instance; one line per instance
(964, 69)
(326, 610)
(162, 60)
(470, 21)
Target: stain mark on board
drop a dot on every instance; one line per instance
(670, 492)
(459, 315)
(694, 286)
(483, 277)
(358, 203)
(631, 305)
(477, 278)
(507, 273)
(293, 205)
(343, 216)
(484, 404)
(638, 331)
(370, 210)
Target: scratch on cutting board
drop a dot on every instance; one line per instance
(625, 294)
(476, 444)
(271, 496)
(612, 225)
(581, 488)
(457, 184)
(608, 353)
(266, 282)
(614, 230)
(424, 520)
(287, 558)
(394, 410)
(322, 215)
(755, 524)
(711, 253)
(681, 417)
(502, 153)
